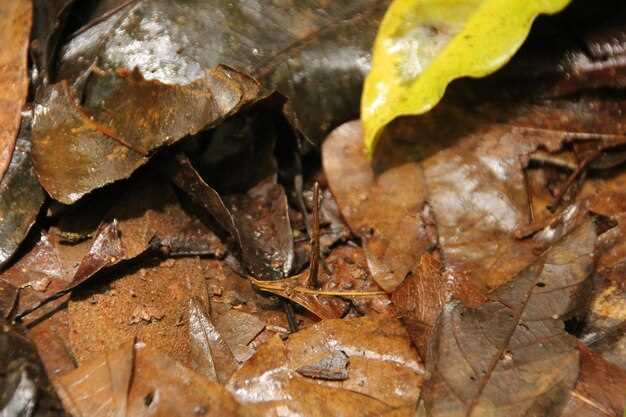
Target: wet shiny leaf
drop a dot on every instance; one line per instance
(316, 54)
(21, 196)
(383, 370)
(50, 19)
(80, 146)
(24, 386)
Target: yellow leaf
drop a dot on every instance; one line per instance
(422, 45)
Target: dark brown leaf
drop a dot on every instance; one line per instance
(24, 386)
(43, 274)
(377, 203)
(511, 356)
(258, 220)
(50, 18)
(314, 53)
(470, 174)
(21, 196)
(15, 19)
(261, 216)
(422, 295)
(122, 119)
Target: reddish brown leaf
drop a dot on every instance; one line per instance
(16, 20)
(136, 381)
(600, 390)
(122, 119)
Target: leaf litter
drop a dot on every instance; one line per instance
(172, 246)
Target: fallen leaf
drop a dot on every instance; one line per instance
(238, 329)
(376, 205)
(421, 297)
(316, 54)
(210, 354)
(50, 262)
(383, 370)
(258, 220)
(50, 19)
(511, 356)
(115, 142)
(24, 385)
(600, 388)
(461, 190)
(429, 44)
(261, 217)
(21, 196)
(16, 19)
(137, 381)
(51, 337)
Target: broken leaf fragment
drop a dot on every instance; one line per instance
(422, 46)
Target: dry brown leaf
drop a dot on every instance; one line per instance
(600, 390)
(136, 381)
(15, 19)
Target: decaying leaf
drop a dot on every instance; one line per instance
(16, 19)
(511, 356)
(429, 44)
(24, 386)
(21, 196)
(600, 390)
(262, 218)
(137, 381)
(421, 297)
(210, 354)
(258, 220)
(80, 145)
(316, 54)
(47, 269)
(383, 370)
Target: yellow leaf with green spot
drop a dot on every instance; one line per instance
(422, 45)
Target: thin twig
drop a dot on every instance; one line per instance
(573, 177)
(311, 279)
(529, 194)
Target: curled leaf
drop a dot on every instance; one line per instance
(422, 46)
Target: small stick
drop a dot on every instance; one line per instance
(529, 195)
(311, 279)
(291, 316)
(573, 177)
